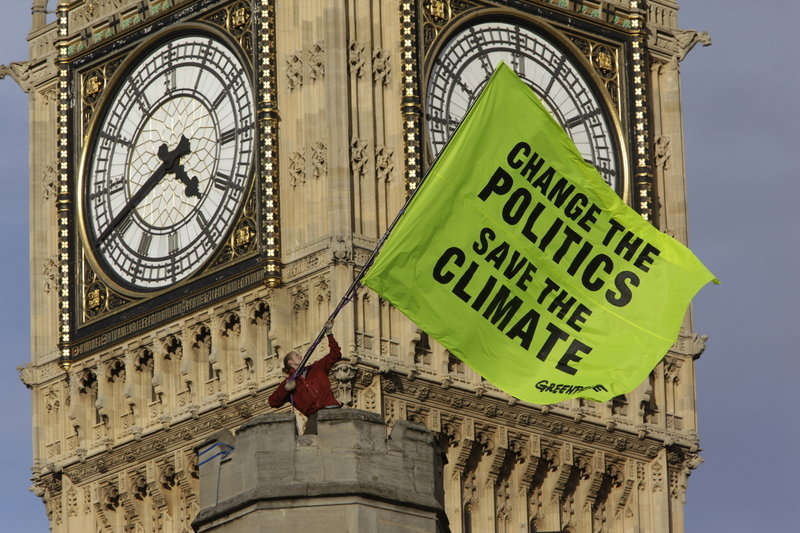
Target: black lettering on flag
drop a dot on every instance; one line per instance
(579, 317)
(551, 232)
(549, 286)
(627, 245)
(646, 258)
(487, 289)
(561, 190)
(579, 258)
(463, 281)
(532, 218)
(512, 160)
(516, 205)
(556, 334)
(498, 255)
(502, 308)
(561, 304)
(562, 300)
(499, 183)
(524, 329)
(615, 227)
(482, 244)
(526, 276)
(623, 282)
(571, 237)
(458, 257)
(532, 167)
(596, 262)
(515, 264)
(573, 210)
(543, 181)
(571, 356)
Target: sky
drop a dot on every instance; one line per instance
(741, 113)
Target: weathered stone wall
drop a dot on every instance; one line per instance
(347, 477)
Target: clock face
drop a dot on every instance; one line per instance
(169, 162)
(467, 61)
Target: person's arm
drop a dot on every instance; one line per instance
(280, 395)
(335, 354)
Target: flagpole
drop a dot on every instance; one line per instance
(351, 291)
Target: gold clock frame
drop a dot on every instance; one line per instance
(133, 56)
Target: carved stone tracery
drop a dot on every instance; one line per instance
(381, 66)
(358, 157)
(357, 59)
(294, 71)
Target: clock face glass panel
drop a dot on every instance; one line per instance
(467, 61)
(169, 163)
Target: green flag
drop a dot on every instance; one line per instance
(519, 259)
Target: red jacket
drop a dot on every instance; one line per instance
(313, 387)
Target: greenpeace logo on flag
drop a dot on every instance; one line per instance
(565, 388)
(517, 257)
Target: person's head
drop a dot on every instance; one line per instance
(291, 361)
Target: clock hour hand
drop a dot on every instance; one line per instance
(169, 159)
(192, 184)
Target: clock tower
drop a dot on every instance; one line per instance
(211, 175)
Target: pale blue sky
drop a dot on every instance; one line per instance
(742, 111)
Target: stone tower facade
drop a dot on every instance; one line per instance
(347, 476)
(128, 378)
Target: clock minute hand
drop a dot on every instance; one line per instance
(168, 158)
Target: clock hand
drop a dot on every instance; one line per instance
(168, 163)
(192, 185)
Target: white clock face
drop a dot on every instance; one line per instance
(169, 162)
(467, 61)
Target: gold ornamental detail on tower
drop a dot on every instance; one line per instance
(438, 10)
(93, 85)
(98, 299)
(436, 14)
(604, 60)
(240, 17)
(236, 20)
(243, 237)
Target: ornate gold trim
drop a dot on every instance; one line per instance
(411, 103)
(268, 127)
(63, 199)
(643, 199)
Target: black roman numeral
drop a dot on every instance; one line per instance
(144, 244)
(174, 243)
(218, 101)
(228, 136)
(223, 182)
(123, 226)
